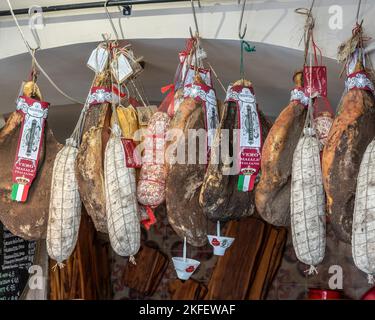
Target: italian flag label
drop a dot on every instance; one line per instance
(20, 192)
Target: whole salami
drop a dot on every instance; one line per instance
(363, 237)
(307, 203)
(151, 183)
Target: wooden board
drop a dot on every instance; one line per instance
(187, 290)
(269, 262)
(146, 275)
(234, 271)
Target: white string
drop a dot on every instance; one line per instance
(29, 49)
(311, 270)
(371, 279)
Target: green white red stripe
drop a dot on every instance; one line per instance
(19, 192)
(244, 183)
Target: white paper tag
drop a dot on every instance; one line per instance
(353, 62)
(98, 59)
(121, 68)
(201, 54)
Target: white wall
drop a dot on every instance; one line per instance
(271, 22)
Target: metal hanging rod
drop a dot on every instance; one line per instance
(88, 5)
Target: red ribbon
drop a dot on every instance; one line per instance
(168, 102)
(151, 218)
(118, 91)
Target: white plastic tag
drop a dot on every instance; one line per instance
(98, 59)
(121, 68)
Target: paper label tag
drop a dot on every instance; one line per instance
(200, 55)
(359, 80)
(121, 68)
(29, 143)
(353, 62)
(298, 94)
(98, 59)
(132, 157)
(99, 95)
(204, 73)
(250, 135)
(315, 81)
(207, 95)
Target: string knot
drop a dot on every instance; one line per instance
(245, 46)
(311, 270)
(132, 260)
(371, 279)
(60, 265)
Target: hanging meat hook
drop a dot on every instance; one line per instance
(110, 19)
(242, 34)
(195, 19)
(359, 11)
(35, 11)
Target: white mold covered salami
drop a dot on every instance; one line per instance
(307, 202)
(121, 201)
(65, 205)
(363, 234)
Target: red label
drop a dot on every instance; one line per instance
(24, 168)
(30, 139)
(215, 242)
(250, 161)
(315, 80)
(190, 269)
(132, 156)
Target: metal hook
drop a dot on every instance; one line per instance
(195, 18)
(110, 19)
(32, 11)
(358, 10)
(242, 34)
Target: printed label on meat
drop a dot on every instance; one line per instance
(315, 80)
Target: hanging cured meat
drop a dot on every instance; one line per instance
(220, 197)
(307, 202)
(27, 219)
(89, 163)
(363, 237)
(65, 205)
(185, 180)
(121, 200)
(272, 194)
(351, 132)
(151, 184)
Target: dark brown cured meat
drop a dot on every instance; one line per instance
(185, 180)
(351, 132)
(272, 194)
(26, 220)
(219, 196)
(89, 163)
